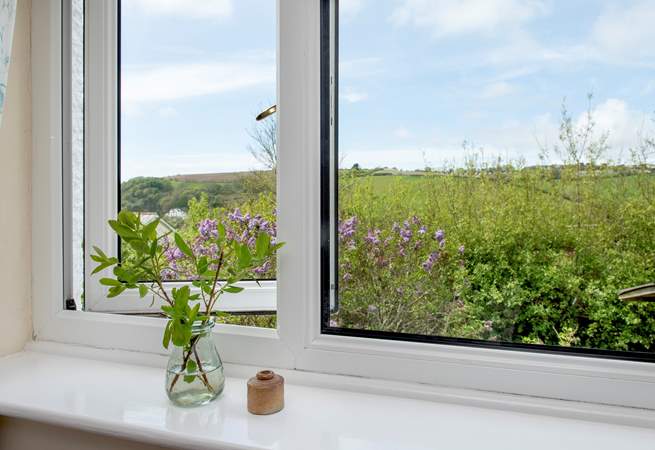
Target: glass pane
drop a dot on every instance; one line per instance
(497, 177)
(194, 75)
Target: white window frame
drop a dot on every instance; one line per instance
(101, 182)
(298, 342)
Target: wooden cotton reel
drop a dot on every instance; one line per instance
(265, 393)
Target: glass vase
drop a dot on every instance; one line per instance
(194, 375)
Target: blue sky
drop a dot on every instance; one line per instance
(418, 77)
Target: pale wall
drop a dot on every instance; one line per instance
(15, 182)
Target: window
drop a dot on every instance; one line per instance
(494, 176)
(190, 80)
(326, 88)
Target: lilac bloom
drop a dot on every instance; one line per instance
(430, 261)
(235, 216)
(263, 268)
(208, 229)
(440, 235)
(461, 250)
(347, 227)
(373, 237)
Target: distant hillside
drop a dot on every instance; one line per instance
(210, 177)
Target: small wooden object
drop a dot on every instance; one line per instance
(265, 393)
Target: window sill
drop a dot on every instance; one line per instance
(127, 400)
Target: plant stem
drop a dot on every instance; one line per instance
(205, 380)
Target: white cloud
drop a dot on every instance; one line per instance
(197, 9)
(455, 17)
(626, 32)
(497, 89)
(353, 96)
(625, 126)
(178, 81)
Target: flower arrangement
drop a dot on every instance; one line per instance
(220, 256)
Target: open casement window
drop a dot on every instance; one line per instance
(172, 95)
(395, 267)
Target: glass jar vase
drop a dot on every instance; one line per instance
(194, 375)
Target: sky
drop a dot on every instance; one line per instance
(418, 78)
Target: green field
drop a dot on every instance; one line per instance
(544, 251)
(530, 255)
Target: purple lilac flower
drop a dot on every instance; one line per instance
(461, 249)
(422, 230)
(208, 229)
(406, 234)
(263, 268)
(167, 274)
(429, 263)
(373, 237)
(347, 227)
(416, 220)
(440, 235)
(173, 254)
(235, 216)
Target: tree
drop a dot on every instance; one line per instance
(264, 147)
(144, 194)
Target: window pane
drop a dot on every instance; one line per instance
(194, 75)
(496, 172)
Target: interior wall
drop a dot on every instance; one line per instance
(25, 434)
(15, 182)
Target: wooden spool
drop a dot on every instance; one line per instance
(265, 393)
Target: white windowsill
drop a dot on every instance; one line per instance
(127, 400)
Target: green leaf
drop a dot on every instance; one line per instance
(244, 258)
(150, 230)
(181, 333)
(101, 267)
(128, 218)
(232, 289)
(202, 265)
(122, 230)
(189, 378)
(110, 282)
(115, 291)
(99, 252)
(183, 246)
(143, 290)
(191, 366)
(262, 244)
(167, 333)
(138, 245)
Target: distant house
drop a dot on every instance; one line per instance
(163, 228)
(176, 213)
